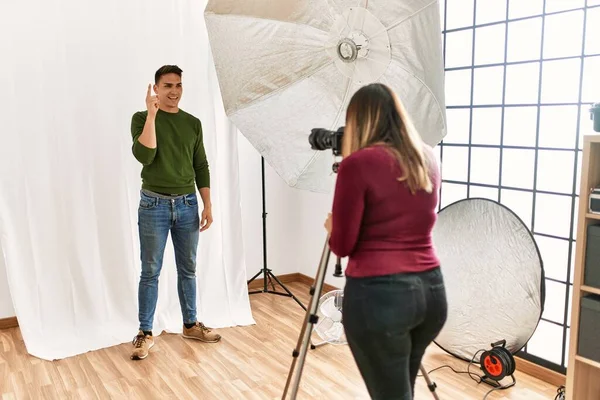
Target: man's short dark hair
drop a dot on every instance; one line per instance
(167, 69)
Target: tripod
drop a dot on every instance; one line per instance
(311, 318)
(267, 274)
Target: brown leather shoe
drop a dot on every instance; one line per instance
(201, 332)
(141, 345)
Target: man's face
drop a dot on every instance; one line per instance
(169, 90)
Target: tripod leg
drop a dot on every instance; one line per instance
(255, 276)
(430, 384)
(310, 320)
(287, 290)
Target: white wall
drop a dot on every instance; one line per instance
(310, 210)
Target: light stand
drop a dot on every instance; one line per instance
(266, 272)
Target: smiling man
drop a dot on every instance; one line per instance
(168, 142)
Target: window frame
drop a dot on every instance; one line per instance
(576, 149)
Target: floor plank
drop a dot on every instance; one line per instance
(249, 363)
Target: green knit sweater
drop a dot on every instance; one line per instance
(179, 159)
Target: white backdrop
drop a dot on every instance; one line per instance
(6, 305)
(73, 72)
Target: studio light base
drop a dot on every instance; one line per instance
(267, 274)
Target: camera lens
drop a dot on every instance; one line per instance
(320, 139)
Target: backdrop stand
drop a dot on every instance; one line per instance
(266, 272)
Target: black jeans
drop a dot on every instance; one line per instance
(389, 321)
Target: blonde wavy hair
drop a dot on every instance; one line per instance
(375, 116)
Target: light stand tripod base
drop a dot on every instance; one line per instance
(267, 274)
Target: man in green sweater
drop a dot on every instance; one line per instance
(168, 142)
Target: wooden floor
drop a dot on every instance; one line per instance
(249, 363)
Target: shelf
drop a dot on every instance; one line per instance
(593, 216)
(587, 361)
(590, 289)
(592, 138)
(583, 374)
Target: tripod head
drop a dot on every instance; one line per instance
(335, 167)
(323, 139)
(338, 264)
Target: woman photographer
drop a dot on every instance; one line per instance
(384, 210)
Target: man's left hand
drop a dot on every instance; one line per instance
(206, 219)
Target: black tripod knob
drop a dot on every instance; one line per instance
(338, 269)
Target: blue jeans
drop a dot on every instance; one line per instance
(389, 321)
(157, 216)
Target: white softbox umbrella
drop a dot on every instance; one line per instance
(287, 66)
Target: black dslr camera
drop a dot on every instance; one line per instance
(323, 139)
(595, 110)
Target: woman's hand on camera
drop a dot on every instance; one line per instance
(328, 224)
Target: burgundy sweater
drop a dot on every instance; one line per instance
(377, 222)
